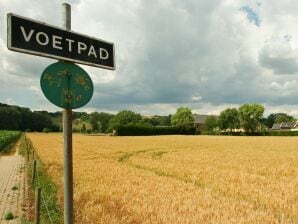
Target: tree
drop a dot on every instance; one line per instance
(104, 119)
(157, 121)
(210, 124)
(83, 129)
(40, 121)
(183, 118)
(165, 120)
(270, 120)
(250, 116)
(282, 117)
(10, 118)
(277, 118)
(124, 117)
(229, 119)
(94, 122)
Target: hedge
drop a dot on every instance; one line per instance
(141, 130)
(270, 133)
(283, 133)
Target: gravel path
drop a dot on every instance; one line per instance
(12, 187)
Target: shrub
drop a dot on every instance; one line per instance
(283, 133)
(46, 130)
(8, 216)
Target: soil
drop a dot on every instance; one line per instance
(13, 187)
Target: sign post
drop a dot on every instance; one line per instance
(63, 83)
(67, 133)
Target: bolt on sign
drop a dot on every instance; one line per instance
(33, 37)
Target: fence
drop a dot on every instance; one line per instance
(46, 210)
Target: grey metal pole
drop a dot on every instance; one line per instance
(37, 205)
(67, 132)
(33, 172)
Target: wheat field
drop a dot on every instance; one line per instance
(178, 179)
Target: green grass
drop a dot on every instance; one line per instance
(50, 211)
(24, 221)
(8, 216)
(23, 145)
(7, 138)
(14, 188)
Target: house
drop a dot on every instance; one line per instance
(285, 126)
(200, 120)
(295, 127)
(275, 127)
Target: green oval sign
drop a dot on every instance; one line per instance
(66, 85)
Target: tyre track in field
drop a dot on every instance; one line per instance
(279, 215)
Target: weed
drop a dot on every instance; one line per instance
(8, 216)
(14, 188)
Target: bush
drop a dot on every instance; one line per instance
(8, 216)
(283, 133)
(265, 133)
(46, 130)
(141, 130)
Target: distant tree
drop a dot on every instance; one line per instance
(78, 115)
(26, 119)
(94, 122)
(104, 119)
(83, 128)
(210, 124)
(84, 117)
(100, 121)
(40, 121)
(149, 121)
(277, 118)
(10, 118)
(20, 118)
(183, 118)
(164, 120)
(269, 121)
(124, 117)
(250, 116)
(282, 117)
(229, 119)
(157, 121)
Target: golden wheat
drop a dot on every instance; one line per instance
(178, 179)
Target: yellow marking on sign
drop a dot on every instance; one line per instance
(82, 81)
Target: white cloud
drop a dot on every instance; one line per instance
(10, 101)
(204, 54)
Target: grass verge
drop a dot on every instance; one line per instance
(50, 211)
(8, 143)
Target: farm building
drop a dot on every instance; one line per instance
(285, 126)
(200, 120)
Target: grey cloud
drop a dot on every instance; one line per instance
(168, 53)
(280, 64)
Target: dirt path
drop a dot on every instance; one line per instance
(12, 186)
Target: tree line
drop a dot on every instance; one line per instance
(105, 122)
(248, 117)
(20, 118)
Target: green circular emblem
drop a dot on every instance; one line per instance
(66, 85)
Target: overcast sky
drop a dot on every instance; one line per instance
(206, 55)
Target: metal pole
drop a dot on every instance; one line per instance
(33, 172)
(37, 205)
(67, 132)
